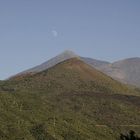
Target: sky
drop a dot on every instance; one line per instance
(33, 31)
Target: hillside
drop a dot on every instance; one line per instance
(52, 62)
(72, 74)
(126, 71)
(98, 64)
(70, 101)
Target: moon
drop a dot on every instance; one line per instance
(54, 33)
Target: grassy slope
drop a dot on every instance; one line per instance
(72, 100)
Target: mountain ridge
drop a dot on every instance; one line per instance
(82, 71)
(126, 71)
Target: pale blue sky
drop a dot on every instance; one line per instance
(32, 31)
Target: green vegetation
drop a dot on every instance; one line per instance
(70, 101)
(130, 136)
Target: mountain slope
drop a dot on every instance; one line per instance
(69, 101)
(126, 71)
(62, 57)
(73, 74)
(52, 62)
(95, 63)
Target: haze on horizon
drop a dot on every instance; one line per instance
(33, 31)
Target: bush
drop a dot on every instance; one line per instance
(39, 132)
(130, 136)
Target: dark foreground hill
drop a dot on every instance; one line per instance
(70, 101)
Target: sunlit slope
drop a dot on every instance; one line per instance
(71, 75)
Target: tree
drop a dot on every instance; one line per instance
(39, 132)
(130, 136)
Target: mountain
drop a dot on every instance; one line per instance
(79, 73)
(62, 57)
(69, 101)
(98, 64)
(126, 71)
(50, 63)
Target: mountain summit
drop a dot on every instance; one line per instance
(69, 53)
(126, 71)
(52, 62)
(62, 57)
(72, 74)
